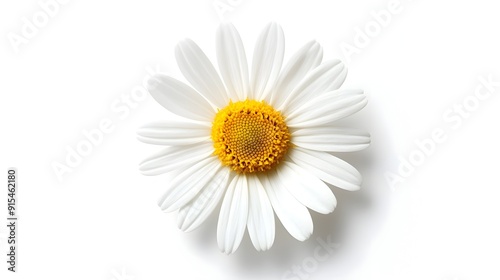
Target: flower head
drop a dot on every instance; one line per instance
(258, 140)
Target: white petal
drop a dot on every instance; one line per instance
(232, 61)
(200, 72)
(293, 215)
(327, 108)
(260, 223)
(331, 139)
(305, 59)
(199, 208)
(307, 188)
(328, 76)
(233, 215)
(188, 184)
(179, 98)
(175, 158)
(174, 133)
(267, 60)
(328, 168)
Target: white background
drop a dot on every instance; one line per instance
(101, 220)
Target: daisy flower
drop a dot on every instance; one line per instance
(258, 138)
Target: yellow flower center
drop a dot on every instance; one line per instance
(250, 136)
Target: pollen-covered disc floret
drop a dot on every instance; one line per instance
(250, 136)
